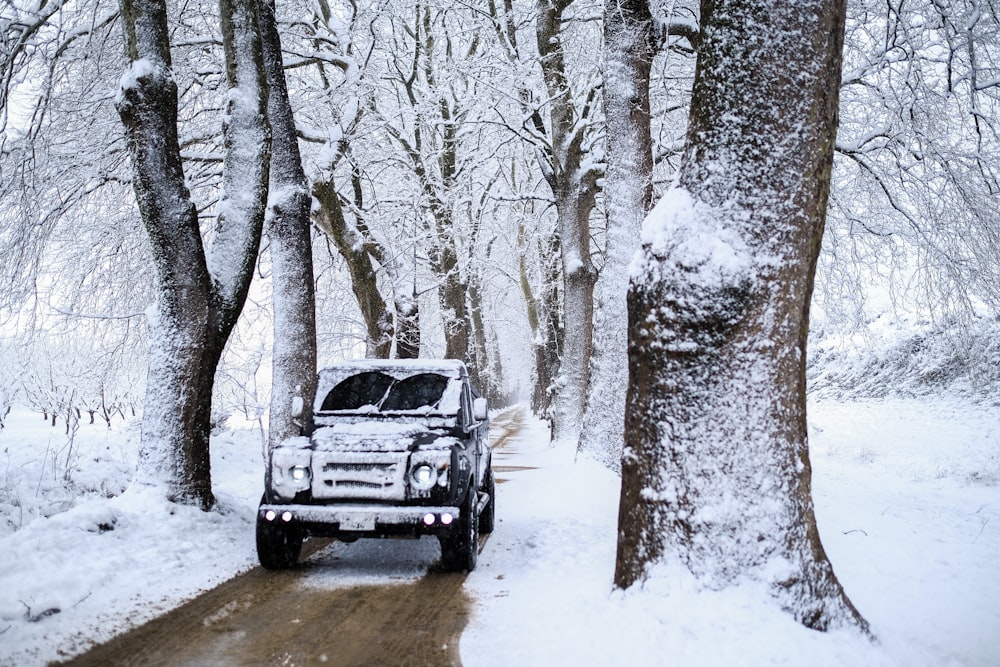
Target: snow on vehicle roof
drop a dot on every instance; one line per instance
(449, 367)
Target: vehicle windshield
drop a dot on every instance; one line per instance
(374, 391)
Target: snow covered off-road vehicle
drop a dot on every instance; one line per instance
(399, 448)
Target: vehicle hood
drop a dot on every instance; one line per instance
(379, 437)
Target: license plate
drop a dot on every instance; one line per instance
(358, 522)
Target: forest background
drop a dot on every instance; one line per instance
(461, 199)
(456, 158)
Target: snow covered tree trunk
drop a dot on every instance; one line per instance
(294, 301)
(628, 191)
(199, 296)
(360, 251)
(444, 251)
(579, 277)
(715, 472)
(543, 320)
(147, 104)
(574, 188)
(364, 281)
(451, 292)
(488, 376)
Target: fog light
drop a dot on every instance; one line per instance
(446, 519)
(428, 519)
(286, 516)
(270, 515)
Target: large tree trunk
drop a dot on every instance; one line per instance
(579, 277)
(147, 105)
(715, 473)
(628, 193)
(294, 302)
(199, 297)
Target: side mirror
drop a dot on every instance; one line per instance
(297, 407)
(480, 410)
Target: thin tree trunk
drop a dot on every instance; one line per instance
(715, 473)
(574, 189)
(628, 193)
(486, 359)
(294, 301)
(364, 282)
(407, 325)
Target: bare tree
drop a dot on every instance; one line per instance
(628, 193)
(288, 229)
(200, 294)
(428, 139)
(432, 108)
(326, 62)
(915, 176)
(538, 241)
(572, 172)
(716, 474)
(357, 252)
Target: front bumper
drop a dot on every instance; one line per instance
(361, 520)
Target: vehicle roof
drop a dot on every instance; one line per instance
(449, 367)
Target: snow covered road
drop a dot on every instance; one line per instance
(907, 495)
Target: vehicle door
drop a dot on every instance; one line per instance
(477, 432)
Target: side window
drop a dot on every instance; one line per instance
(466, 416)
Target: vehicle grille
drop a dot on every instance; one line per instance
(357, 475)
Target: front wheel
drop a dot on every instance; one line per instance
(460, 549)
(278, 547)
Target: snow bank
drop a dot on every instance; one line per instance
(81, 560)
(907, 495)
(916, 551)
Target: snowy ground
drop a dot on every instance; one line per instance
(907, 495)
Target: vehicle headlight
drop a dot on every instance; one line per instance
(299, 473)
(423, 476)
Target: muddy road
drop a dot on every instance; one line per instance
(374, 602)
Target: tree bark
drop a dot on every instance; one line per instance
(451, 290)
(628, 193)
(294, 301)
(543, 319)
(574, 189)
(715, 473)
(488, 377)
(199, 297)
(364, 282)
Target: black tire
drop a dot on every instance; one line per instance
(488, 515)
(278, 546)
(460, 549)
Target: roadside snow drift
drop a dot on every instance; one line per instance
(907, 497)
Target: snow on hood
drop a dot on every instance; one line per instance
(379, 437)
